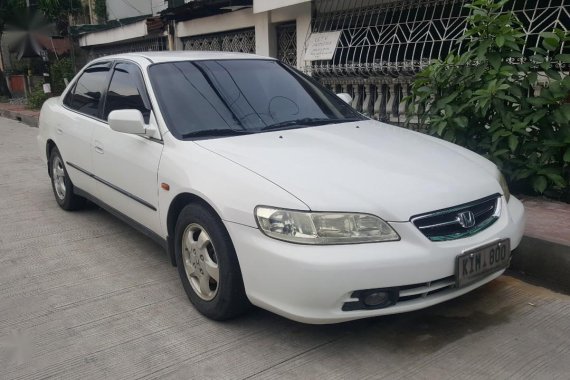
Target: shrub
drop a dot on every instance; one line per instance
(60, 70)
(484, 99)
(36, 98)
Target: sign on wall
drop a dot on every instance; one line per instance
(321, 46)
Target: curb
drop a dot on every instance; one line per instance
(31, 121)
(545, 261)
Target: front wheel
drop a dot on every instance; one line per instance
(208, 265)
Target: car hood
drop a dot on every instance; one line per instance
(363, 166)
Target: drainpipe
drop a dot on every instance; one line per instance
(171, 31)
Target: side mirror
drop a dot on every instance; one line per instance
(346, 97)
(127, 121)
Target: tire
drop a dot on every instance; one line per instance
(202, 248)
(61, 185)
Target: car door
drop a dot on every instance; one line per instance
(126, 165)
(74, 129)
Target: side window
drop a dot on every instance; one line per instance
(88, 89)
(126, 91)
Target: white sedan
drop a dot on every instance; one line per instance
(265, 188)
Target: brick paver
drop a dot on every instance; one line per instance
(548, 220)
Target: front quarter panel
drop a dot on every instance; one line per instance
(232, 190)
(46, 124)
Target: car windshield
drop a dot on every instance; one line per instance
(214, 98)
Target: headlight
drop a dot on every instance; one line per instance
(504, 186)
(322, 227)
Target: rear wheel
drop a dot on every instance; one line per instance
(61, 184)
(208, 265)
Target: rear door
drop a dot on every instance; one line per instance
(126, 165)
(80, 114)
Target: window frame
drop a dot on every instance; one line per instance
(140, 86)
(103, 90)
(111, 62)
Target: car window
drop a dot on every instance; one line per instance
(126, 91)
(88, 89)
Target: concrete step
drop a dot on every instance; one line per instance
(544, 253)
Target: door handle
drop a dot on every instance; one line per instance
(98, 147)
(59, 131)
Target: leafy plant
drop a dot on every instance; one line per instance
(36, 98)
(489, 98)
(58, 11)
(101, 10)
(60, 70)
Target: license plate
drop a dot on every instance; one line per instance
(474, 264)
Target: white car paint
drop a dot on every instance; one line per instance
(366, 167)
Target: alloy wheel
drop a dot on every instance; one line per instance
(200, 262)
(58, 175)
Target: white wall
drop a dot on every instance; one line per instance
(263, 21)
(127, 32)
(214, 24)
(117, 9)
(268, 5)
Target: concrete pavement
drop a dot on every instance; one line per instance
(83, 295)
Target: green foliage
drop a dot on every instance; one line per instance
(58, 11)
(60, 70)
(101, 10)
(11, 11)
(483, 98)
(36, 98)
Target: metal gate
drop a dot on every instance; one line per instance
(287, 43)
(242, 41)
(395, 37)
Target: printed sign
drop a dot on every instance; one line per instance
(321, 46)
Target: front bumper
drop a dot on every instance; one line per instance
(311, 283)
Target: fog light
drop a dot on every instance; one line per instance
(371, 299)
(376, 299)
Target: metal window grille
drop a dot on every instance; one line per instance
(388, 37)
(287, 44)
(148, 44)
(242, 41)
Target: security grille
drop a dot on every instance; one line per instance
(148, 44)
(287, 44)
(395, 37)
(242, 41)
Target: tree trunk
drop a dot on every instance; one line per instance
(4, 90)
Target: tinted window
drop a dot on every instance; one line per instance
(126, 91)
(242, 96)
(88, 90)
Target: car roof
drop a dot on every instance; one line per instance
(187, 55)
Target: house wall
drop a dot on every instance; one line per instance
(130, 8)
(127, 32)
(264, 21)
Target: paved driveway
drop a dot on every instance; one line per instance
(82, 295)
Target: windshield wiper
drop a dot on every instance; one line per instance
(308, 121)
(215, 133)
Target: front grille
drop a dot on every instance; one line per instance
(411, 292)
(450, 224)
